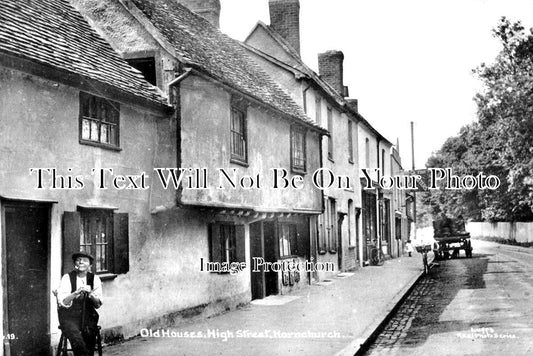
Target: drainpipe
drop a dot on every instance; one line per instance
(304, 94)
(174, 98)
(378, 199)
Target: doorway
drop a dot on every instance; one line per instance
(264, 244)
(27, 292)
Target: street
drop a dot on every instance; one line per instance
(477, 306)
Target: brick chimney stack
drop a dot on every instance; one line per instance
(208, 9)
(330, 69)
(285, 20)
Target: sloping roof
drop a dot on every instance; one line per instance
(199, 43)
(297, 64)
(54, 34)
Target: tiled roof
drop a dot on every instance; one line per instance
(296, 63)
(299, 64)
(222, 57)
(54, 34)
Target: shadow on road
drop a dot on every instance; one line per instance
(433, 295)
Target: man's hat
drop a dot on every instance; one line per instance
(82, 254)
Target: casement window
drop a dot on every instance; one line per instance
(298, 147)
(101, 233)
(322, 233)
(226, 243)
(350, 141)
(332, 226)
(288, 240)
(318, 111)
(367, 153)
(369, 216)
(383, 162)
(327, 234)
(99, 121)
(239, 139)
(330, 137)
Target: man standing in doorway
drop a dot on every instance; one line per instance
(79, 295)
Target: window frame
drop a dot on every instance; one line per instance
(318, 111)
(239, 109)
(87, 228)
(111, 106)
(117, 235)
(330, 129)
(295, 166)
(292, 237)
(222, 252)
(350, 141)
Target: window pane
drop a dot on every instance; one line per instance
(85, 131)
(284, 242)
(112, 135)
(99, 119)
(298, 149)
(94, 131)
(104, 133)
(92, 107)
(238, 134)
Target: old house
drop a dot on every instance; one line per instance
(353, 217)
(276, 48)
(71, 105)
(168, 174)
(400, 204)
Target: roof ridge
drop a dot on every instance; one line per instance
(219, 55)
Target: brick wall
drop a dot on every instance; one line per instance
(331, 70)
(285, 20)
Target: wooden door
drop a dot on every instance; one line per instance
(257, 250)
(27, 293)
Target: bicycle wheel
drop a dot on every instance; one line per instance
(381, 258)
(374, 257)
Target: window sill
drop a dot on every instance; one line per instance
(322, 252)
(331, 159)
(350, 161)
(101, 145)
(107, 276)
(351, 247)
(238, 161)
(333, 252)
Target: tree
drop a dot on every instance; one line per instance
(501, 141)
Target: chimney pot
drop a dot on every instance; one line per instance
(285, 20)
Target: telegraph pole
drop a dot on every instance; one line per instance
(413, 166)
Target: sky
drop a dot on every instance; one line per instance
(404, 60)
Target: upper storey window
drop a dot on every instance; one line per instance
(238, 132)
(99, 121)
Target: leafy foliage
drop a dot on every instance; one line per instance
(500, 142)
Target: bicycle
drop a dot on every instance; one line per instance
(377, 258)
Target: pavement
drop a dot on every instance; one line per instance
(334, 317)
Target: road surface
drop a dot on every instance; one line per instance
(477, 306)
